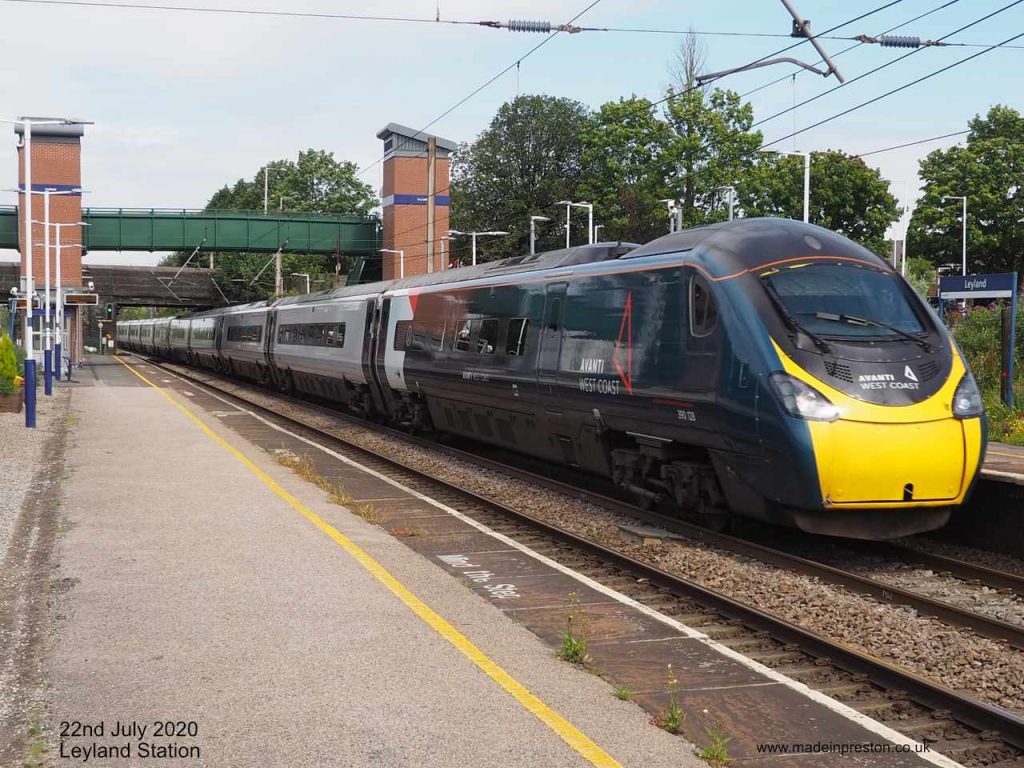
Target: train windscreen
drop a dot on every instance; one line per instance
(845, 300)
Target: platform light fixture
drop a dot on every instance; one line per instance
(30, 361)
(533, 231)
(475, 235)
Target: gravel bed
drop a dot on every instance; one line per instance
(21, 450)
(995, 560)
(955, 658)
(987, 601)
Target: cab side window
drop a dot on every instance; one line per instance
(703, 308)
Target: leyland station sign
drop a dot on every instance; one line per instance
(1002, 285)
(997, 286)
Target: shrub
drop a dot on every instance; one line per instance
(8, 365)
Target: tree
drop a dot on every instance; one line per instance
(988, 170)
(847, 195)
(713, 145)
(315, 183)
(627, 169)
(921, 274)
(528, 158)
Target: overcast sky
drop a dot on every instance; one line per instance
(185, 102)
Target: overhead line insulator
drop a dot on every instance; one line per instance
(898, 41)
(527, 25)
(521, 25)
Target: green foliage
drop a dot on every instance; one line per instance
(979, 337)
(574, 641)
(847, 196)
(315, 183)
(8, 365)
(673, 718)
(716, 754)
(144, 313)
(530, 156)
(623, 693)
(922, 275)
(988, 171)
(711, 146)
(627, 169)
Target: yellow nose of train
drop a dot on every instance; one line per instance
(893, 456)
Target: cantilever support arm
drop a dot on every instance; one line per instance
(757, 65)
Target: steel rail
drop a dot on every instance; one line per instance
(980, 715)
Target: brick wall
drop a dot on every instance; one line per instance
(54, 163)
(405, 226)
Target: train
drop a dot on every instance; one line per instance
(760, 368)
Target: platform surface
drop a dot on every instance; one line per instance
(197, 593)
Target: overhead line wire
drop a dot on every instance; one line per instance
(913, 143)
(852, 47)
(896, 90)
(886, 65)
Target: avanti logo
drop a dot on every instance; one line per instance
(908, 373)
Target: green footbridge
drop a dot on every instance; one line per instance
(154, 229)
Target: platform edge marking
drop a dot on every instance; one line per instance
(566, 731)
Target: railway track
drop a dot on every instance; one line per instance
(959, 726)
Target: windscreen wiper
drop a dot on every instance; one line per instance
(791, 321)
(855, 320)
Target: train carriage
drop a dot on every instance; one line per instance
(243, 339)
(316, 346)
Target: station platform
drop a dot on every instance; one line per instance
(206, 586)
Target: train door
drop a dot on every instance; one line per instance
(551, 341)
(268, 343)
(378, 347)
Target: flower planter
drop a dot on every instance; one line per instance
(10, 402)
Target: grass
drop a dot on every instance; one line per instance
(673, 718)
(574, 640)
(34, 755)
(622, 693)
(716, 754)
(304, 467)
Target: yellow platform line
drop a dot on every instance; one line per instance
(565, 730)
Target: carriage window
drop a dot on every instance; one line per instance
(487, 341)
(249, 333)
(515, 344)
(418, 339)
(703, 308)
(402, 328)
(462, 336)
(312, 334)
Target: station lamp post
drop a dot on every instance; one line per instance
(807, 176)
(533, 231)
(597, 227)
(590, 219)
(444, 255)
(475, 235)
(401, 259)
(732, 199)
(48, 346)
(944, 198)
(26, 250)
(59, 315)
(671, 213)
(302, 274)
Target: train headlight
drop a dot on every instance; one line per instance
(802, 400)
(967, 400)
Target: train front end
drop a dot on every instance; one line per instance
(869, 396)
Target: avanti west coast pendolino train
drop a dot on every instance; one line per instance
(763, 368)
